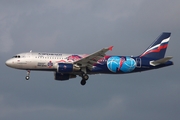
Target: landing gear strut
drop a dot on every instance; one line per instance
(85, 77)
(28, 74)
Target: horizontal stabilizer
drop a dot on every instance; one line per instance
(160, 61)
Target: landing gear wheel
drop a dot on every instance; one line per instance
(27, 77)
(85, 76)
(83, 82)
(28, 74)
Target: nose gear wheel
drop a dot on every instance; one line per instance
(28, 74)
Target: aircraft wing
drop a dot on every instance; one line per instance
(91, 59)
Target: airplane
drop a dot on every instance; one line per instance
(68, 66)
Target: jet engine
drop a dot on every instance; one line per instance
(67, 68)
(63, 77)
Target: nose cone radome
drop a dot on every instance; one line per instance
(9, 63)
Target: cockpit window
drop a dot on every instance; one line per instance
(14, 56)
(17, 56)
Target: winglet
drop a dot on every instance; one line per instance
(110, 48)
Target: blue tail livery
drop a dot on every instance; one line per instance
(68, 66)
(158, 48)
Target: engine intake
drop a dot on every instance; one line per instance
(67, 68)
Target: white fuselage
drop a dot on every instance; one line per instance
(39, 61)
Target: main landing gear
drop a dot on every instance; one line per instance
(28, 74)
(85, 77)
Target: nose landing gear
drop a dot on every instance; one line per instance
(28, 74)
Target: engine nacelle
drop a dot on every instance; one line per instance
(63, 77)
(67, 68)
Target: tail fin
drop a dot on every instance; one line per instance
(158, 48)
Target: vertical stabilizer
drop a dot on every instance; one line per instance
(158, 48)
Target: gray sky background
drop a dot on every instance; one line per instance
(78, 26)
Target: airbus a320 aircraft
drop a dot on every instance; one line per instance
(68, 66)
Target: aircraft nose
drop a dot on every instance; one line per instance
(8, 62)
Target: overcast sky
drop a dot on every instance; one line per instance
(85, 26)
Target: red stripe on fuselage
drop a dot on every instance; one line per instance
(122, 60)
